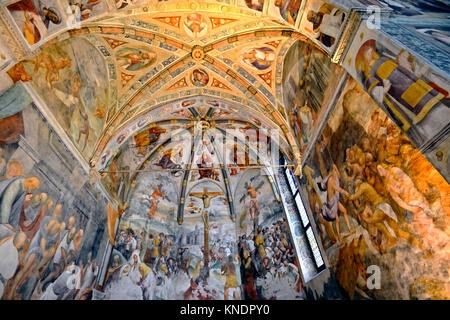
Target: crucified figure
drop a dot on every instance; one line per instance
(206, 197)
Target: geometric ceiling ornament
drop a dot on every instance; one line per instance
(275, 43)
(202, 111)
(182, 108)
(171, 21)
(267, 77)
(198, 53)
(114, 43)
(125, 78)
(218, 22)
(218, 84)
(179, 84)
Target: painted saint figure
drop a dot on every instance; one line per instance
(60, 259)
(327, 22)
(168, 160)
(153, 198)
(255, 4)
(195, 26)
(252, 192)
(14, 192)
(42, 247)
(333, 205)
(9, 251)
(199, 78)
(303, 119)
(51, 65)
(132, 59)
(85, 7)
(231, 285)
(49, 15)
(288, 9)
(28, 20)
(205, 163)
(407, 98)
(260, 58)
(146, 138)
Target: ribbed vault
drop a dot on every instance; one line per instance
(151, 57)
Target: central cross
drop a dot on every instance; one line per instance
(206, 197)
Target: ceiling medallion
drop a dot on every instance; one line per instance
(197, 53)
(193, 6)
(203, 125)
(199, 78)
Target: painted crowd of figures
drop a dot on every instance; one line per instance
(269, 268)
(38, 246)
(260, 266)
(152, 268)
(390, 196)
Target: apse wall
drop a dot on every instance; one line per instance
(206, 254)
(47, 205)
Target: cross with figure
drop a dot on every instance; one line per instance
(206, 197)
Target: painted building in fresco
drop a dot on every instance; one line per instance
(224, 150)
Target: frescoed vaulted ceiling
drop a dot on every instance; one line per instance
(129, 60)
(153, 56)
(133, 62)
(143, 67)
